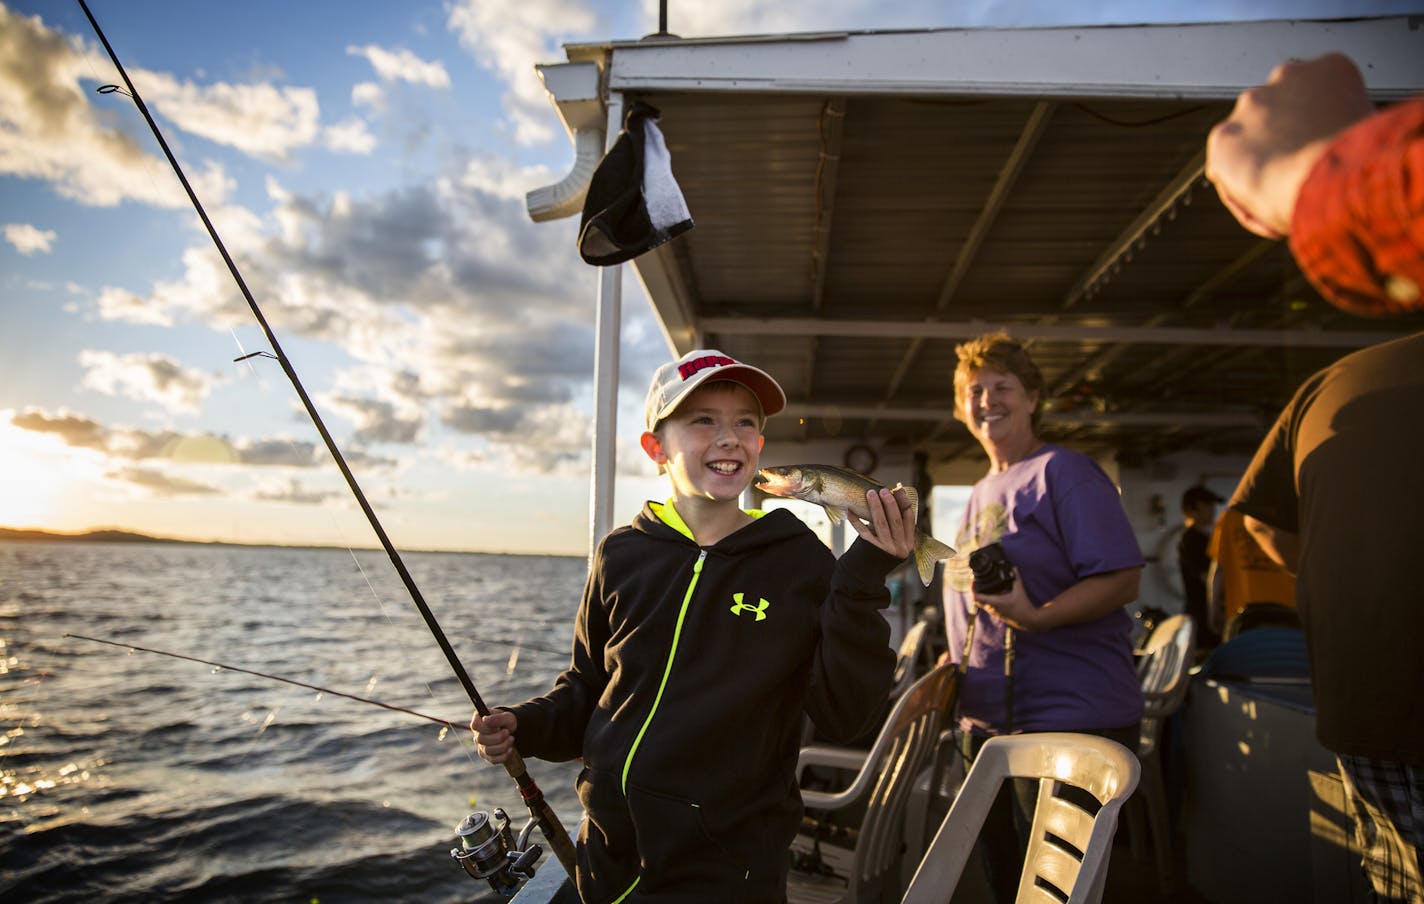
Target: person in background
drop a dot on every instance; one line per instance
(1198, 516)
(1334, 492)
(1053, 652)
(1242, 576)
(705, 633)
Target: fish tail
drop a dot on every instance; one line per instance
(928, 551)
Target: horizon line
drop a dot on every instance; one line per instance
(135, 536)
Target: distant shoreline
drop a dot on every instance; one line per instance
(114, 535)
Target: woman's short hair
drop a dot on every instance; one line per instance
(996, 351)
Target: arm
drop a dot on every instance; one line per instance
(1088, 600)
(1261, 154)
(854, 664)
(1267, 496)
(1281, 545)
(551, 727)
(1215, 598)
(1303, 156)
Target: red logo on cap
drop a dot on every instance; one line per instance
(689, 368)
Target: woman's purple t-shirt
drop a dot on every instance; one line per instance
(1060, 520)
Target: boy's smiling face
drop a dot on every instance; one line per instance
(710, 445)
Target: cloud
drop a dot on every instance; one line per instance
(501, 177)
(350, 136)
(121, 304)
(279, 452)
(431, 282)
(543, 440)
(74, 429)
(507, 37)
(403, 66)
(161, 484)
(295, 493)
(50, 129)
(54, 130)
(259, 119)
(284, 452)
(148, 378)
(368, 94)
(29, 240)
(129, 444)
(379, 421)
(444, 281)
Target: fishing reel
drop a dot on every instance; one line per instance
(490, 851)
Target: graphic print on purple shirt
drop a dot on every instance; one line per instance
(1060, 520)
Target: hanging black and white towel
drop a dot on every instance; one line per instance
(633, 203)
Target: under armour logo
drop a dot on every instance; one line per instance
(738, 607)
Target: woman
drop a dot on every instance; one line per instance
(1076, 564)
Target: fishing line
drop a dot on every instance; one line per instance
(539, 808)
(246, 358)
(232, 668)
(516, 646)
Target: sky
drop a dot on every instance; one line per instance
(365, 163)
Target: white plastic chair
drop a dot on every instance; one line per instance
(1069, 847)
(882, 782)
(907, 661)
(908, 658)
(1163, 674)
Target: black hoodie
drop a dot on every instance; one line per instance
(691, 671)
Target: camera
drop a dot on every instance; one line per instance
(993, 572)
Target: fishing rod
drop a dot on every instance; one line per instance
(233, 668)
(539, 809)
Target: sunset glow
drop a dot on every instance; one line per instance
(32, 482)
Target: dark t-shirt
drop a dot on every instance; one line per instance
(1344, 468)
(1193, 561)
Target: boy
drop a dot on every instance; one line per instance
(704, 634)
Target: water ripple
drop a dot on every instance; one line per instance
(136, 777)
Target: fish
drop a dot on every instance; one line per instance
(839, 490)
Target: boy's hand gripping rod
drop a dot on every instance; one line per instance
(539, 808)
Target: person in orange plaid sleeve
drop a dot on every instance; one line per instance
(1334, 493)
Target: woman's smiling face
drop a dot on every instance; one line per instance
(997, 408)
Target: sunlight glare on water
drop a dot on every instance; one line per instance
(142, 777)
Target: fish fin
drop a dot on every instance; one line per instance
(835, 512)
(928, 551)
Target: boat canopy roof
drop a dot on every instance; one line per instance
(864, 201)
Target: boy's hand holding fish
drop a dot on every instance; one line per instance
(889, 522)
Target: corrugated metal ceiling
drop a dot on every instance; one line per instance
(872, 231)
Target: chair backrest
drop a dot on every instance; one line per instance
(1070, 844)
(1259, 615)
(1270, 651)
(901, 750)
(1162, 673)
(908, 658)
(904, 747)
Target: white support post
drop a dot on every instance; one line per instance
(608, 328)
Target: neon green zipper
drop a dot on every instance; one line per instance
(667, 669)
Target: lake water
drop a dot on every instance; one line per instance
(138, 777)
